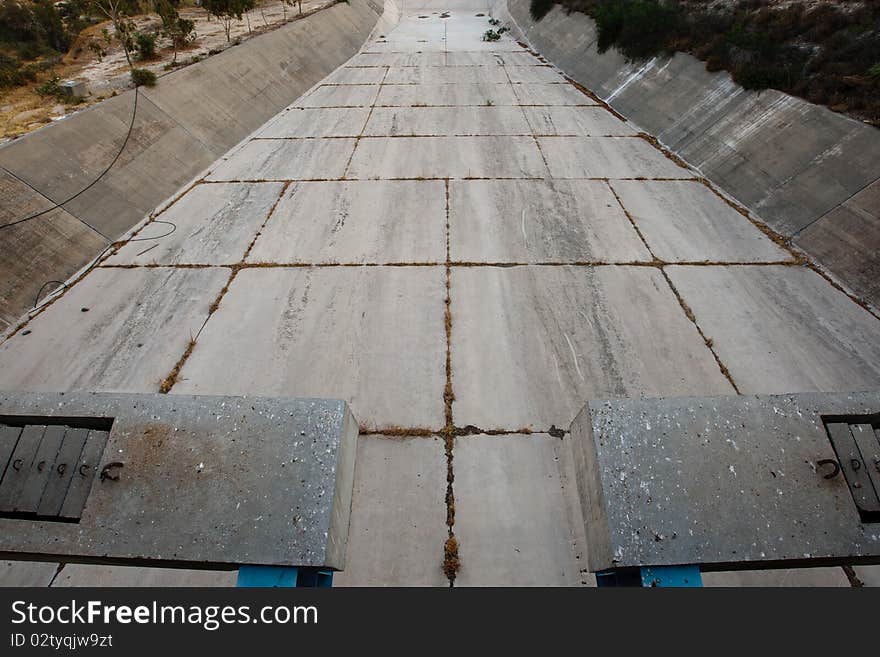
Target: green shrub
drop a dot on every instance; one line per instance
(638, 28)
(51, 88)
(540, 8)
(143, 77)
(145, 43)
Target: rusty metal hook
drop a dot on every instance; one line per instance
(834, 464)
(105, 472)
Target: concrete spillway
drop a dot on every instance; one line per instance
(451, 236)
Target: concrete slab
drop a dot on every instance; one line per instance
(446, 95)
(398, 59)
(136, 325)
(446, 121)
(539, 221)
(56, 245)
(576, 122)
(297, 159)
(356, 222)
(782, 329)
(607, 157)
(520, 58)
(211, 224)
(516, 531)
(398, 514)
(847, 240)
(361, 75)
(75, 574)
(687, 221)
(26, 573)
(550, 94)
(562, 335)
(534, 74)
(447, 75)
(447, 157)
(868, 575)
(349, 95)
(373, 336)
(832, 576)
(317, 122)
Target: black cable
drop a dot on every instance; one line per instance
(91, 266)
(157, 237)
(91, 184)
(40, 292)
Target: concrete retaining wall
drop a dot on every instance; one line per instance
(807, 172)
(192, 117)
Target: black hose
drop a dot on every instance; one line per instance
(91, 184)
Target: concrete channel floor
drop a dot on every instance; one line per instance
(444, 213)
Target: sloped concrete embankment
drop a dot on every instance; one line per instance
(811, 174)
(191, 118)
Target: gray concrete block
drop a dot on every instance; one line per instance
(539, 221)
(447, 157)
(563, 335)
(288, 503)
(518, 531)
(298, 159)
(373, 336)
(136, 325)
(782, 329)
(356, 222)
(398, 516)
(686, 221)
(607, 157)
(576, 122)
(211, 224)
(317, 122)
(446, 121)
(723, 482)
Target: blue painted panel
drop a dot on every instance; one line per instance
(267, 576)
(679, 576)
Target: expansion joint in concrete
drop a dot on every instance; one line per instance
(56, 204)
(168, 382)
(684, 306)
(451, 562)
(360, 136)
